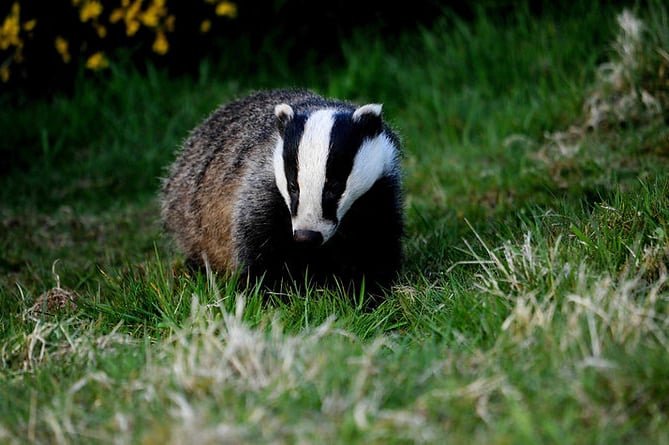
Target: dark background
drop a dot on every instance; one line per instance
(301, 31)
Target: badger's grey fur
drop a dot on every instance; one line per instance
(285, 182)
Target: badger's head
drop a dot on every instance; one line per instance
(325, 161)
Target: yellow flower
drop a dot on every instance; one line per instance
(101, 30)
(4, 74)
(116, 15)
(97, 61)
(129, 14)
(131, 27)
(169, 23)
(205, 26)
(63, 49)
(132, 10)
(227, 9)
(154, 16)
(9, 32)
(151, 17)
(90, 10)
(160, 45)
(29, 25)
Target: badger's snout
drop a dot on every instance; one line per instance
(308, 237)
(313, 232)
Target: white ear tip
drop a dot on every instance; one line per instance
(283, 111)
(373, 109)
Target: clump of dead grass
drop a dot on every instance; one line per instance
(631, 90)
(52, 302)
(622, 95)
(545, 292)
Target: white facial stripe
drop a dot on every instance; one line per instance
(280, 172)
(375, 158)
(312, 156)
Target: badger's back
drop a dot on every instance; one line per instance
(200, 194)
(228, 198)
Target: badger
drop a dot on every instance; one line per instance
(288, 185)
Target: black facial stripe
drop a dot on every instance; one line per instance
(291, 141)
(345, 141)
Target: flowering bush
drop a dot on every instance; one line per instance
(58, 35)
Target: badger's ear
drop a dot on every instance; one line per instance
(368, 118)
(284, 114)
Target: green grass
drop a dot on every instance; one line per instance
(533, 308)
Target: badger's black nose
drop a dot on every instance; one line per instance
(308, 237)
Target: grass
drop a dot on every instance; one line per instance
(534, 303)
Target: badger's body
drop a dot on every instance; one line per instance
(283, 183)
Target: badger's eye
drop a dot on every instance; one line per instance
(292, 187)
(333, 189)
(329, 194)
